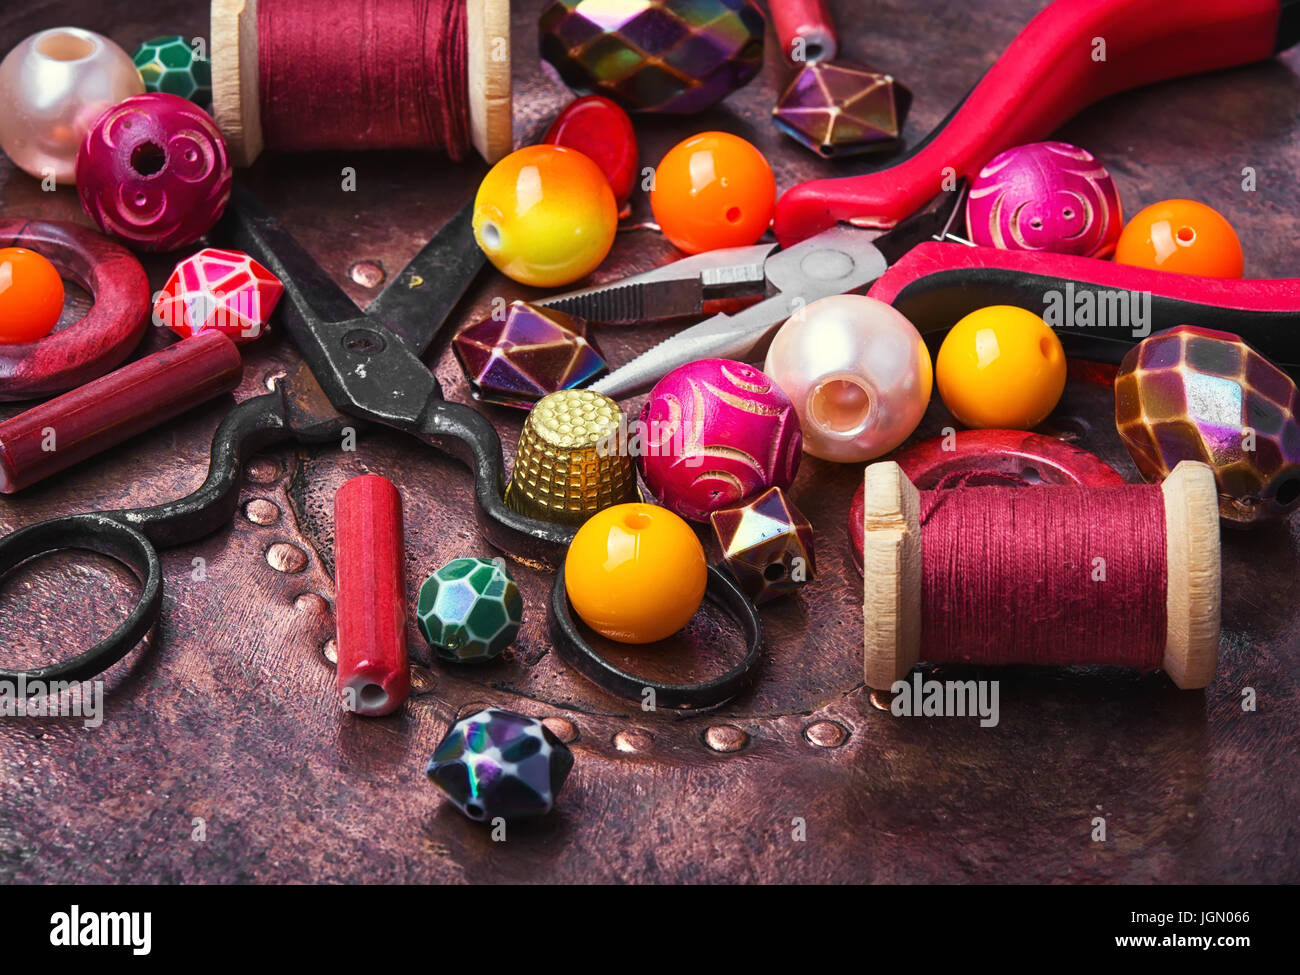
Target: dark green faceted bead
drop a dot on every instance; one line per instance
(172, 65)
(470, 610)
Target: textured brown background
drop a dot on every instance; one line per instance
(227, 713)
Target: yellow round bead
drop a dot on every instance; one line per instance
(1001, 367)
(635, 573)
(545, 216)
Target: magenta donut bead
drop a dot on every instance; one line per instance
(1048, 196)
(715, 433)
(153, 171)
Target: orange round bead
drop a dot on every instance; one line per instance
(713, 190)
(31, 296)
(635, 573)
(1183, 236)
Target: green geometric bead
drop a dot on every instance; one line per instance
(470, 610)
(168, 64)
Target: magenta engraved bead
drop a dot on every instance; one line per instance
(1049, 196)
(714, 434)
(153, 170)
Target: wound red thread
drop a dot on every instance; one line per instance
(369, 74)
(1008, 576)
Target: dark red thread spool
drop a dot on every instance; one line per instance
(302, 75)
(1009, 575)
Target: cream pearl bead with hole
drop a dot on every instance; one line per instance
(53, 86)
(859, 375)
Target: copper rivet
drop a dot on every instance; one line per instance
(473, 707)
(310, 602)
(826, 734)
(284, 557)
(562, 728)
(331, 650)
(423, 680)
(260, 511)
(725, 738)
(633, 740)
(880, 700)
(263, 471)
(368, 274)
(273, 378)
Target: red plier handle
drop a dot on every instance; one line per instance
(1100, 309)
(1072, 54)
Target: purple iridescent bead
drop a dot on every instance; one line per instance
(837, 108)
(1191, 393)
(670, 56)
(528, 353)
(1048, 196)
(153, 170)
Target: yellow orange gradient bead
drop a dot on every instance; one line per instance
(1182, 236)
(635, 573)
(545, 216)
(1001, 367)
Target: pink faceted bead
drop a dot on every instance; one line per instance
(218, 290)
(1048, 196)
(714, 434)
(859, 375)
(154, 171)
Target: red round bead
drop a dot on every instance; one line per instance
(602, 131)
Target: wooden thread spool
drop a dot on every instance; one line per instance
(892, 561)
(236, 98)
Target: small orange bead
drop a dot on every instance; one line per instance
(713, 190)
(31, 296)
(635, 573)
(1182, 236)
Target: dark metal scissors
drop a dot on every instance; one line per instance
(357, 370)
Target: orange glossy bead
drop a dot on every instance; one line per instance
(31, 296)
(1001, 367)
(635, 573)
(1182, 236)
(713, 190)
(545, 216)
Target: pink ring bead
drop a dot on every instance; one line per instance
(714, 434)
(858, 373)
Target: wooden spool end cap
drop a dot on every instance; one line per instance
(891, 575)
(1193, 575)
(236, 104)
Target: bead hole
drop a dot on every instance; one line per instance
(840, 406)
(1186, 235)
(812, 51)
(774, 572)
(491, 236)
(66, 47)
(1045, 346)
(148, 158)
(373, 696)
(638, 521)
(1288, 492)
(733, 214)
(474, 809)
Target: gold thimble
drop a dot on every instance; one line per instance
(570, 462)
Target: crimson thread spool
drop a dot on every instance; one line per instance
(373, 674)
(373, 74)
(1006, 584)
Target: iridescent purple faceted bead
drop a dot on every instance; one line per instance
(767, 545)
(528, 353)
(500, 764)
(669, 56)
(1191, 393)
(837, 108)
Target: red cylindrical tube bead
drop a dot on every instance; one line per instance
(101, 414)
(370, 581)
(805, 30)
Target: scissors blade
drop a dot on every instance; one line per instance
(836, 261)
(419, 300)
(672, 291)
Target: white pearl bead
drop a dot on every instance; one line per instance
(858, 373)
(53, 86)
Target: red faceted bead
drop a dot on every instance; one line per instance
(602, 131)
(225, 291)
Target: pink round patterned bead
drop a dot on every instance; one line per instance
(154, 171)
(1048, 196)
(714, 434)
